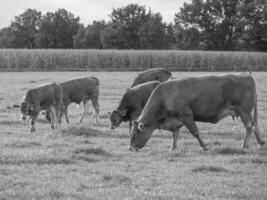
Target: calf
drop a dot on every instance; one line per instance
(206, 99)
(155, 74)
(80, 90)
(132, 103)
(46, 97)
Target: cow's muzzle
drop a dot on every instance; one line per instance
(23, 118)
(133, 149)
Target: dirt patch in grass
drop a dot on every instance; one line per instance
(92, 151)
(41, 160)
(116, 180)
(23, 144)
(82, 131)
(261, 161)
(90, 154)
(11, 122)
(230, 151)
(210, 168)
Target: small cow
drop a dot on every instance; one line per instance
(46, 97)
(206, 99)
(155, 74)
(132, 103)
(80, 90)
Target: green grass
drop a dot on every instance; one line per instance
(129, 60)
(90, 161)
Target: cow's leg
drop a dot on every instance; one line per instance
(258, 135)
(84, 109)
(33, 120)
(189, 122)
(130, 126)
(53, 117)
(248, 123)
(175, 137)
(96, 108)
(66, 113)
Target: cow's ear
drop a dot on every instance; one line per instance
(16, 106)
(123, 113)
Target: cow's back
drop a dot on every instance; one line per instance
(74, 90)
(45, 95)
(207, 96)
(159, 74)
(137, 96)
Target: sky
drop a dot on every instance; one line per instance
(87, 10)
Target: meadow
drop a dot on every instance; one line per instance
(90, 161)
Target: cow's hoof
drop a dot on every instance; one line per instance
(205, 147)
(173, 148)
(245, 146)
(32, 130)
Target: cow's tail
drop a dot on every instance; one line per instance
(97, 88)
(255, 116)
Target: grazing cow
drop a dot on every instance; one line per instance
(206, 99)
(132, 103)
(155, 74)
(46, 97)
(80, 90)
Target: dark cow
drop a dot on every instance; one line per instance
(80, 90)
(155, 74)
(46, 97)
(132, 103)
(206, 99)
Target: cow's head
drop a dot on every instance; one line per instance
(116, 117)
(26, 109)
(140, 134)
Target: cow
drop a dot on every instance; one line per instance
(205, 99)
(45, 97)
(80, 90)
(132, 103)
(154, 74)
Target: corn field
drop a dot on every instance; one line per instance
(129, 60)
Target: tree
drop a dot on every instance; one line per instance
(126, 22)
(214, 22)
(113, 37)
(152, 33)
(253, 14)
(24, 29)
(93, 35)
(5, 38)
(57, 29)
(79, 38)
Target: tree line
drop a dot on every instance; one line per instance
(199, 25)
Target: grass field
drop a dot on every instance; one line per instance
(89, 161)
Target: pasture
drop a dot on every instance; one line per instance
(90, 161)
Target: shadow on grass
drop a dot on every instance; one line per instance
(116, 180)
(92, 151)
(209, 168)
(11, 122)
(81, 130)
(23, 144)
(230, 151)
(43, 160)
(260, 161)
(90, 154)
